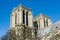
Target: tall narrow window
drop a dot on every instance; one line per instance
(27, 18)
(36, 24)
(15, 18)
(23, 17)
(47, 22)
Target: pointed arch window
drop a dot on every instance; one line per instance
(23, 17)
(27, 18)
(36, 24)
(47, 22)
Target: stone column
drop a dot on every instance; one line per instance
(20, 17)
(30, 19)
(33, 33)
(12, 21)
(17, 17)
(38, 23)
(49, 22)
(42, 23)
(25, 17)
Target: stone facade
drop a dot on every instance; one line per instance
(23, 26)
(42, 21)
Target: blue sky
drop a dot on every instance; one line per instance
(48, 7)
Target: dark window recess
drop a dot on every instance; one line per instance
(27, 18)
(47, 22)
(15, 18)
(35, 33)
(56, 27)
(44, 22)
(36, 24)
(23, 17)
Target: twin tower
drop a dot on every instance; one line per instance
(23, 26)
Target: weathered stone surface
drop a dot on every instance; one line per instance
(24, 27)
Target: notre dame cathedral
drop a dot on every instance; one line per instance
(23, 26)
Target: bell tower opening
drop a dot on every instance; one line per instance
(27, 18)
(36, 24)
(23, 17)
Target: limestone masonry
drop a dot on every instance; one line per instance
(23, 26)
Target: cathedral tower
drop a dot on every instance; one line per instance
(21, 24)
(41, 21)
(21, 15)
